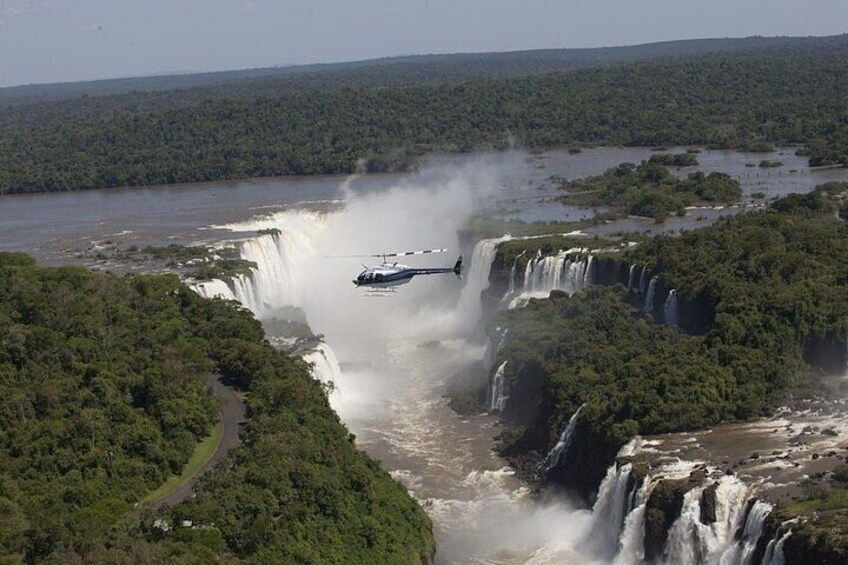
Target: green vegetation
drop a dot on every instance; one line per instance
(203, 452)
(261, 129)
(676, 160)
(198, 262)
(822, 536)
(650, 190)
(482, 227)
(765, 294)
(766, 164)
(104, 399)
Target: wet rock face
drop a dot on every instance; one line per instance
(826, 353)
(708, 504)
(662, 509)
(822, 543)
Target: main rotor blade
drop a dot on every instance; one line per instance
(421, 252)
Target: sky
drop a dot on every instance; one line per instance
(69, 40)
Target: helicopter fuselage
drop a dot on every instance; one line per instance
(395, 274)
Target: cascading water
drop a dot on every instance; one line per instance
(643, 281)
(325, 366)
(215, 288)
(610, 510)
(493, 346)
(631, 277)
(742, 552)
(470, 305)
(497, 399)
(632, 545)
(587, 272)
(564, 442)
(648, 307)
(564, 271)
(397, 409)
(690, 541)
(289, 239)
(774, 550)
(670, 309)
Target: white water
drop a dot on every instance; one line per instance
(564, 271)
(469, 305)
(398, 353)
(690, 542)
(742, 552)
(774, 550)
(494, 343)
(670, 309)
(497, 399)
(643, 280)
(649, 296)
(631, 277)
(610, 510)
(215, 288)
(564, 442)
(325, 368)
(632, 544)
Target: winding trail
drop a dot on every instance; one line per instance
(232, 416)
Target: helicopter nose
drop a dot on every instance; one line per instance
(356, 282)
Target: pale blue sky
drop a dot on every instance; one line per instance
(62, 40)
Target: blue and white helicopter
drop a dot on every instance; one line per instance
(394, 274)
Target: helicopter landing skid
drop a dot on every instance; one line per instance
(380, 292)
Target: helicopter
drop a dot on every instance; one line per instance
(394, 274)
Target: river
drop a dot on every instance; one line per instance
(391, 357)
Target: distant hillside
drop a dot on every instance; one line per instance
(431, 69)
(787, 91)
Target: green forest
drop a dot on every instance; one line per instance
(650, 190)
(105, 397)
(770, 292)
(204, 134)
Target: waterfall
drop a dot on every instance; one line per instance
(214, 288)
(631, 277)
(565, 439)
(743, 550)
(632, 546)
(643, 281)
(618, 518)
(470, 304)
(563, 271)
(649, 297)
(497, 400)
(670, 309)
(494, 343)
(325, 366)
(610, 510)
(690, 541)
(587, 272)
(774, 549)
(284, 240)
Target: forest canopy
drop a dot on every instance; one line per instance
(230, 132)
(104, 396)
(762, 303)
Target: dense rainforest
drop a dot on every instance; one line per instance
(258, 129)
(763, 308)
(104, 396)
(650, 190)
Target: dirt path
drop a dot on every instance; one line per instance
(232, 416)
